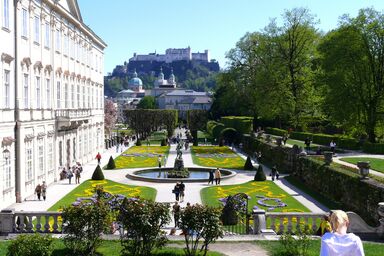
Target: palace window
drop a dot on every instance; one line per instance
(37, 29)
(7, 89)
(7, 169)
(58, 40)
(48, 92)
(26, 91)
(58, 92)
(41, 155)
(80, 146)
(28, 164)
(24, 22)
(38, 93)
(50, 154)
(6, 14)
(66, 98)
(84, 96)
(66, 39)
(78, 96)
(47, 34)
(73, 95)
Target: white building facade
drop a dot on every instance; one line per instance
(51, 101)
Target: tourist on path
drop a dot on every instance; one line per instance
(339, 242)
(98, 157)
(325, 226)
(77, 174)
(332, 145)
(274, 173)
(38, 191)
(182, 190)
(217, 176)
(159, 160)
(211, 177)
(176, 213)
(69, 175)
(44, 190)
(176, 191)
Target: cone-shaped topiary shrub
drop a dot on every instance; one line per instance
(248, 164)
(138, 142)
(111, 164)
(260, 175)
(98, 174)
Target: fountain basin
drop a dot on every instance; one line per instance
(197, 174)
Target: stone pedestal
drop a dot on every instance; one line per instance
(328, 157)
(6, 221)
(364, 168)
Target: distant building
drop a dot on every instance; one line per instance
(184, 100)
(162, 85)
(128, 99)
(173, 54)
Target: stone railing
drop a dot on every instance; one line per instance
(28, 222)
(73, 113)
(294, 222)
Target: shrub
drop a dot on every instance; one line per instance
(296, 246)
(200, 222)
(111, 164)
(276, 131)
(138, 142)
(229, 134)
(98, 174)
(85, 223)
(31, 245)
(373, 148)
(248, 164)
(144, 221)
(260, 175)
(163, 142)
(243, 124)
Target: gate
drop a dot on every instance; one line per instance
(235, 215)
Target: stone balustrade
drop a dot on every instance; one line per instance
(28, 222)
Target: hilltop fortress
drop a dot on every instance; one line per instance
(173, 54)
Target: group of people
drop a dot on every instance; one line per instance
(335, 240)
(41, 191)
(179, 191)
(214, 175)
(76, 171)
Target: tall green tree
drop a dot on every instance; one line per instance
(147, 102)
(353, 71)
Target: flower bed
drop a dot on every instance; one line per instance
(141, 156)
(213, 156)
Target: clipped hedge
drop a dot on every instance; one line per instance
(260, 175)
(216, 131)
(373, 148)
(111, 164)
(276, 131)
(98, 174)
(300, 135)
(248, 164)
(243, 124)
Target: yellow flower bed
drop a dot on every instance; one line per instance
(147, 156)
(210, 156)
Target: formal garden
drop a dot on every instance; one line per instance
(215, 156)
(141, 156)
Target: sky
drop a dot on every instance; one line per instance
(146, 26)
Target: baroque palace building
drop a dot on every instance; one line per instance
(51, 100)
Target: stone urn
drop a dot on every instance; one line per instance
(364, 168)
(328, 155)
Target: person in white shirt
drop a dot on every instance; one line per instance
(339, 243)
(332, 145)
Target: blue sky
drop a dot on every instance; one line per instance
(145, 26)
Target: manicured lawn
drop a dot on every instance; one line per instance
(141, 156)
(214, 156)
(86, 189)
(256, 190)
(108, 248)
(375, 163)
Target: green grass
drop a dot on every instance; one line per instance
(275, 248)
(235, 162)
(107, 248)
(86, 189)
(314, 194)
(141, 161)
(211, 195)
(375, 163)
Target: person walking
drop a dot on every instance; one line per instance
(38, 191)
(77, 174)
(44, 190)
(182, 190)
(69, 174)
(176, 213)
(274, 173)
(332, 145)
(217, 176)
(176, 191)
(211, 177)
(159, 161)
(98, 157)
